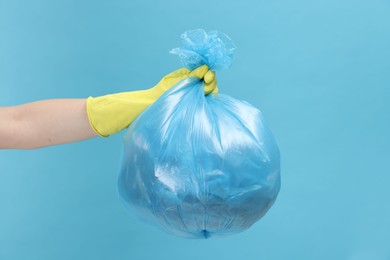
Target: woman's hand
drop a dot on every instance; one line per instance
(111, 113)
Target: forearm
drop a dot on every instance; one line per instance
(44, 123)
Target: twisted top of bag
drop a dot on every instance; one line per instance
(214, 49)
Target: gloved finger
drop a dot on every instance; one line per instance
(209, 77)
(199, 72)
(215, 91)
(210, 87)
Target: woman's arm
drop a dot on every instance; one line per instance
(59, 121)
(44, 123)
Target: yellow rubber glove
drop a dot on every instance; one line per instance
(112, 113)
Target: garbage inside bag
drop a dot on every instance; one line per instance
(196, 165)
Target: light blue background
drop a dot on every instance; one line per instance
(318, 69)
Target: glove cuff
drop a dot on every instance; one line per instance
(90, 105)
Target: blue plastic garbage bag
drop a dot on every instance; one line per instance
(196, 165)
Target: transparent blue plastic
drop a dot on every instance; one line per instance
(199, 166)
(199, 48)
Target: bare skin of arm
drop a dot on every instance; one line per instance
(44, 123)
